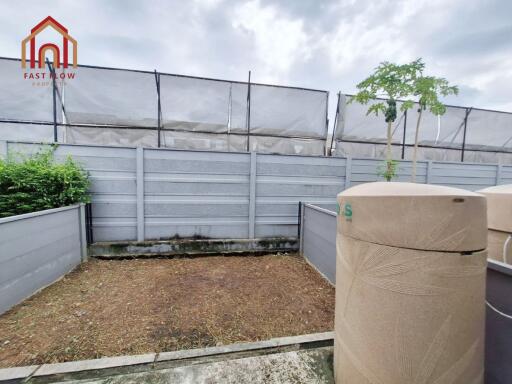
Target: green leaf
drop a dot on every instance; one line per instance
(37, 182)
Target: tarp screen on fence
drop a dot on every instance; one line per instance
(292, 112)
(458, 130)
(195, 104)
(121, 107)
(19, 99)
(489, 129)
(111, 97)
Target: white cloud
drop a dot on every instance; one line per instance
(279, 42)
(332, 44)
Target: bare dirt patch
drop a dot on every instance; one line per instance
(109, 308)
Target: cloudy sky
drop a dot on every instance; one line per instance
(328, 45)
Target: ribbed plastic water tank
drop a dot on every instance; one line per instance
(499, 221)
(410, 285)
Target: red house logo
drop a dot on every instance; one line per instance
(57, 61)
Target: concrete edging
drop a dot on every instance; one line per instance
(240, 347)
(499, 267)
(30, 215)
(20, 373)
(191, 247)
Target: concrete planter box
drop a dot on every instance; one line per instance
(38, 248)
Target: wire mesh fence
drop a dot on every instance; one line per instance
(110, 106)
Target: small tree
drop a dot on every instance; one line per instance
(428, 89)
(390, 81)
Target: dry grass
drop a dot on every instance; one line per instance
(109, 308)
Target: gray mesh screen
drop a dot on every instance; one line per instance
(487, 157)
(238, 117)
(489, 129)
(438, 131)
(149, 138)
(115, 97)
(100, 102)
(264, 144)
(355, 124)
(443, 131)
(437, 154)
(365, 150)
(185, 140)
(288, 112)
(111, 136)
(29, 132)
(23, 99)
(204, 141)
(194, 104)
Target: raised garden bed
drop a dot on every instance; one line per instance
(123, 307)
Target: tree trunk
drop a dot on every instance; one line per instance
(415, 152)
(388, 148)
(389, 157)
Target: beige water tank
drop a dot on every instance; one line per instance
(410, 285)
(499, 221)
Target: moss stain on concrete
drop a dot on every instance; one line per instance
(191, 247)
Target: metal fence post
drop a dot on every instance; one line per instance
(468, 111)
(405, 130)
(326, 125)
(302, 208)
(159, 106)
(83, 232)
(252, 195)
(88, 224)
(499, 167)
(248, 117)
(3, 149)
(336, 117)
(140, 193)
(53, 76)
(428, 178)
(348, 172)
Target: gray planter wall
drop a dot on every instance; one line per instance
(147, 194)
(318, 239)
(38, 248)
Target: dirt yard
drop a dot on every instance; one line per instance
(109, 308)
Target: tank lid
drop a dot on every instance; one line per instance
(416, 216)
(499, 207)
(502, 189)
(382, 188)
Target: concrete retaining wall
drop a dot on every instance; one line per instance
(143, 194)
(159, 194)
(38, 248)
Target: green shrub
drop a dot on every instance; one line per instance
(37, 182)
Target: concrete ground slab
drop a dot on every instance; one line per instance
(294, 359)
(302, 366)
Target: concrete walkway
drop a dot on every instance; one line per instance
(294, 359)
(305, 366)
